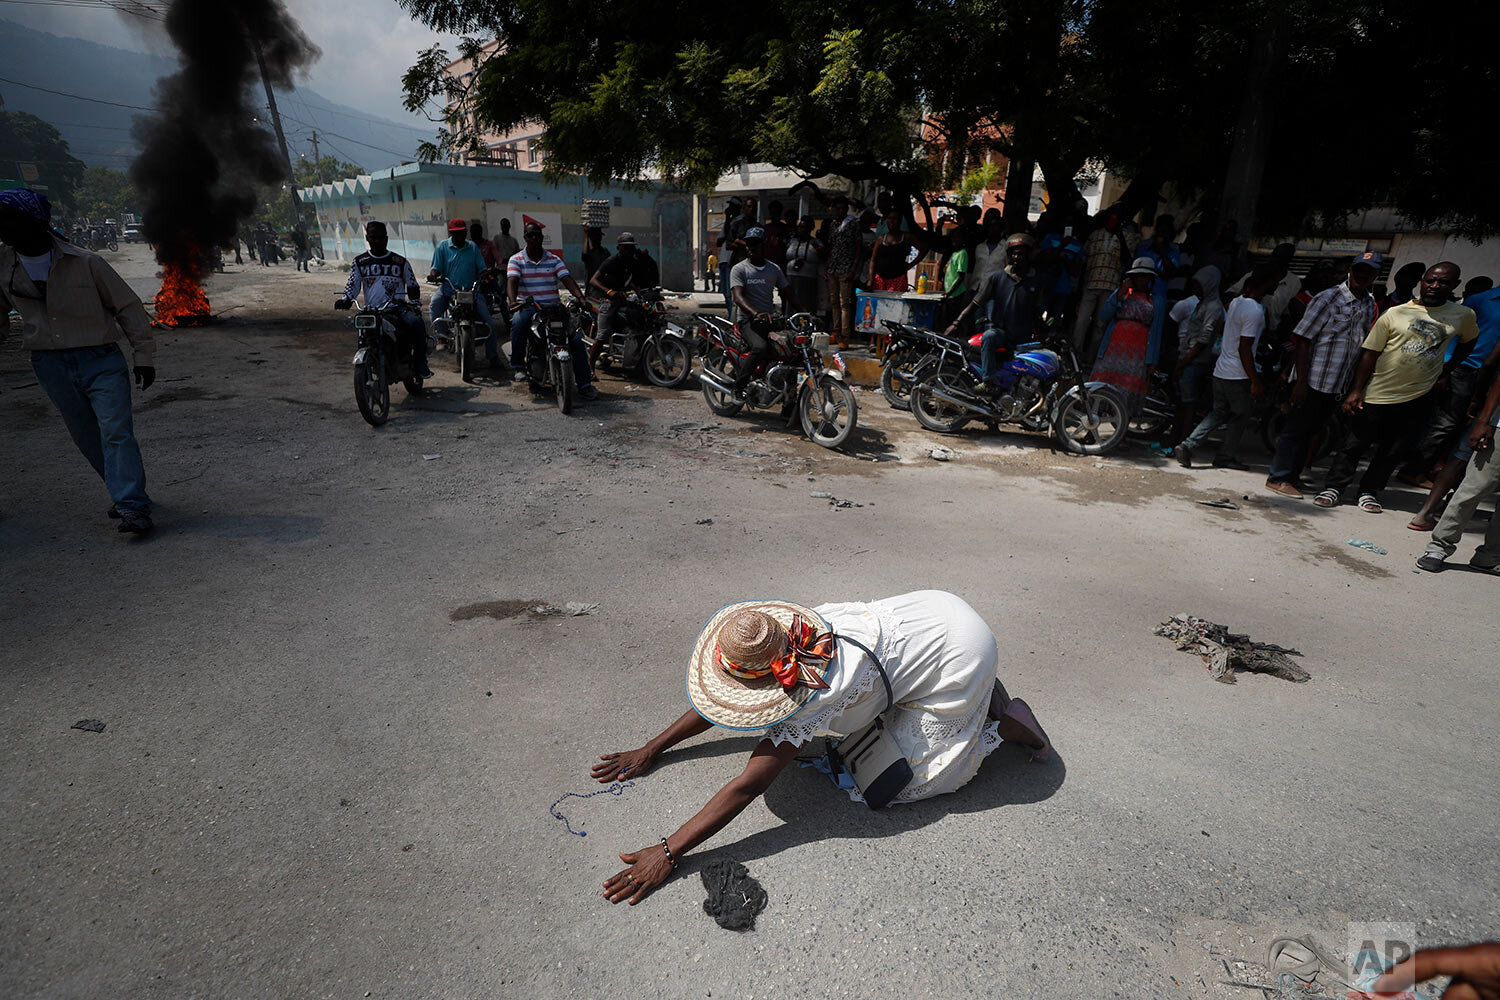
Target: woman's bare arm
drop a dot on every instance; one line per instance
(634, 763)
(651, 866)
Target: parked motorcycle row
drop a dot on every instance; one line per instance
(935, 377)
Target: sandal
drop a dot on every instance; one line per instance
(1369, 504)
(1328, 498)
(1020, 712)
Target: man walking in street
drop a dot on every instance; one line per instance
(299, 247)
(1103, 265)
(1237, 382)
(1327, 346)
(1400, 362)
(73, 309)
(506, 245)
(1481, 479)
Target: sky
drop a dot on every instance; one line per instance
(367, 44)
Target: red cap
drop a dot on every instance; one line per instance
(457, 226)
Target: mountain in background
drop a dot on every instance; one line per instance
(99, 134)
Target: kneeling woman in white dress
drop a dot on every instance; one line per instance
(794, 672)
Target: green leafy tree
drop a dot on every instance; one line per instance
(306, 173)
(103, 193)
(1155, 91)
(25, 138)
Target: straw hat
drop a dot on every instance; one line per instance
(1143, 265)
(745, 639)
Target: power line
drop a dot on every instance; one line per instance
(76, 97)
(138, 9)
(346, 138)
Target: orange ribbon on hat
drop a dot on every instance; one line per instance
(805, 648)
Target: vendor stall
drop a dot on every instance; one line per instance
(872, 309)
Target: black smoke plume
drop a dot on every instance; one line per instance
(204, 153)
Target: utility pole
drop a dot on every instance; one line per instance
(291, 176)
(1252, 136)
(317, 160)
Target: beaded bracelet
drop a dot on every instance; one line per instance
(669, 852)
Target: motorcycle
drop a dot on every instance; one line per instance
(549, 356)
(1158, 409)
(906, 348)
(465, 329)
(1039, 387)
(642, 337)
(381, 360)
(793, 377)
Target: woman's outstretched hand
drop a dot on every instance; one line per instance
(648, 869)
(619, 766)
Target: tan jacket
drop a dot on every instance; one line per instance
(87, 304)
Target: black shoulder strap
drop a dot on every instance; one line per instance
(889, 697)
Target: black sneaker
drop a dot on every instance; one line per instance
(1432, 564)
(113, 513)
(588, 391)
(134, 523)
(426, 372)
(1184, 456)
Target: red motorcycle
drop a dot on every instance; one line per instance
(793, 376)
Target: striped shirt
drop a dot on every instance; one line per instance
(539, 278)
(1335, 324)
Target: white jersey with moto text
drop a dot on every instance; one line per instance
(382, 278)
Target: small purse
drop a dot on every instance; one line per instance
(871, 757)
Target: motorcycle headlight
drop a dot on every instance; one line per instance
(820, 341)
(365, 321)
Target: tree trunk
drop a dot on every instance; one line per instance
(1018, 191)
(1247, 156)
(1062, 189)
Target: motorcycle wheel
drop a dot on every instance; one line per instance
(931, 412)
(1154, 419)
(829, 412)
(1095, 429)
(722, 403)
(371, 391)
(897, 391)
(566, 383)
(668, 362)
(464, 344)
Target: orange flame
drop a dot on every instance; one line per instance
(181, 301)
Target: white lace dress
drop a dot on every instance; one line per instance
(941, 659)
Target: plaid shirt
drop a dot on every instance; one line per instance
(1103, 260)
(1335, 324)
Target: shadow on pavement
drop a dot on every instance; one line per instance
(813, 809)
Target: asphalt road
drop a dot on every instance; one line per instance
(334, 733)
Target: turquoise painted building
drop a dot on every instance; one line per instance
(416, 200)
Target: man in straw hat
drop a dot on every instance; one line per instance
(792, 672)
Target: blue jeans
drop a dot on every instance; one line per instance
(440, 300)
(520, 323)
(990, 344)
(724, 287)
(90, 386)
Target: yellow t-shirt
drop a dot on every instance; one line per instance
(713, 262)
(1412, 339)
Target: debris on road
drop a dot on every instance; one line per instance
(1227, 653)
(89, 725)
(834, 501)
(704, 520)
(428, 458)
(734, 898)
(820, 495)
(1360, 543)
(571, 609)
(942, 454)
(1221, 504)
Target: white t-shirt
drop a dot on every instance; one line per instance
(1246, 320)
(1180, 313)
(37, 268)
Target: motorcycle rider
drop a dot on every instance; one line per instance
(458, 263)
(753, 283)
(614, 278)
(534, 273)
(386, 277)
(1014, 297)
